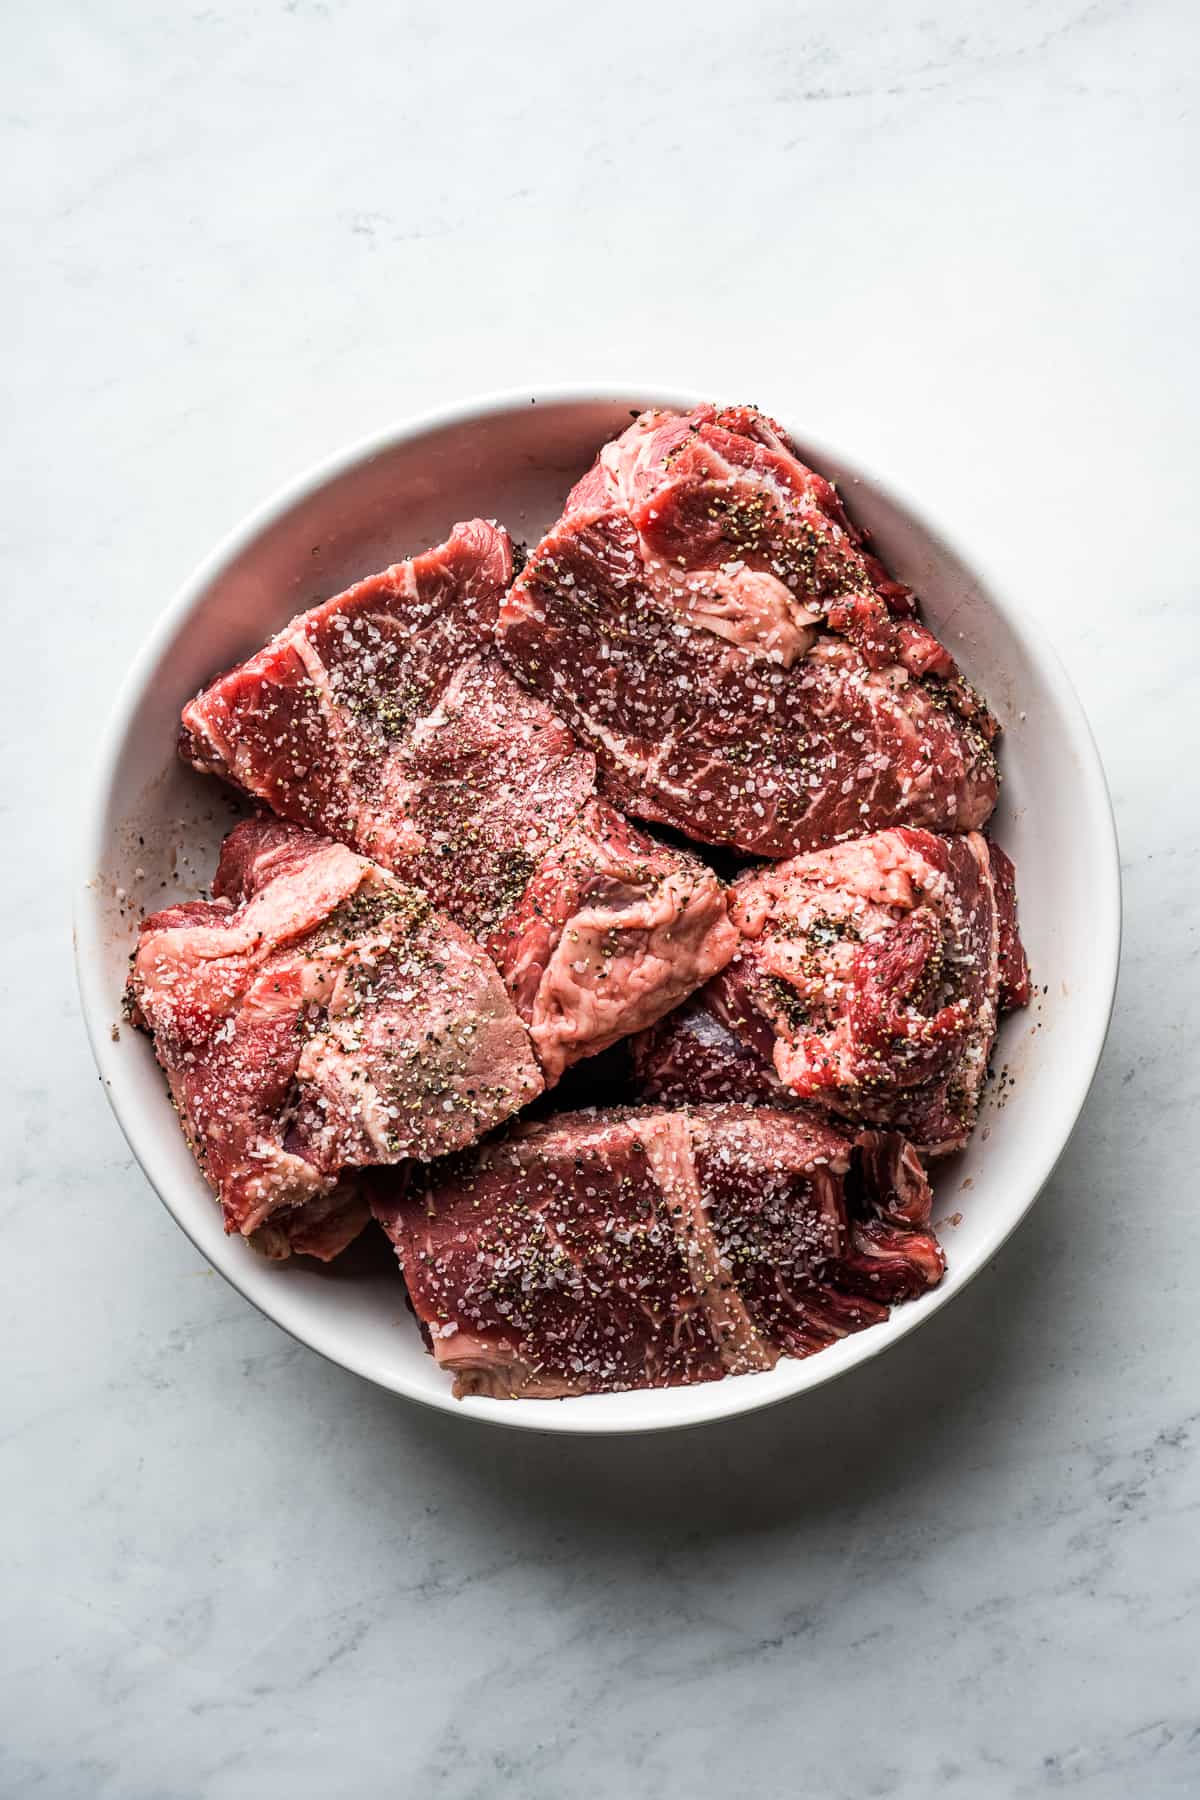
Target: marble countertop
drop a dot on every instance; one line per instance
(955, 237)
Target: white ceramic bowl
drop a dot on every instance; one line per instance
(152, 830)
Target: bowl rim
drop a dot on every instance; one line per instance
(680, 1407)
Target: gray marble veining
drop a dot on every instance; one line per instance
(956, 237)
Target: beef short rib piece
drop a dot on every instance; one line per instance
(707, 618)
(867, 987)
(486, 783)
(606, 1250)
(316, 1017)
(611, 931)
(378, 719)
(314, 724)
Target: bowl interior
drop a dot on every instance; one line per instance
(153, 831)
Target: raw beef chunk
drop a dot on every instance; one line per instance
(317, 1016)
(487, 782)
(1015, 990)
(315, 724)
(867, 987)
(462, 783)
(705, 616)
(600, 1251)
(706, 1051)
(611, 931)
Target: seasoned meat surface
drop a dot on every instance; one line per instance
(705, 616)
(867, 987)
(315, 1017)
(643, 1247)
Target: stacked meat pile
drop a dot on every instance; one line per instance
(443, 903)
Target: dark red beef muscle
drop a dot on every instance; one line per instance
(1015, 990)
(706, 617)
(607, 1250)
(704, 1052)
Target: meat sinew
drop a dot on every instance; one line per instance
(315, 1017)
(461, 782)
(602, 1251)
(706, 617)
(867, 986)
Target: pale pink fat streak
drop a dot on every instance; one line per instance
(670, 1155)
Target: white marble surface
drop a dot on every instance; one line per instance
(957, 237)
